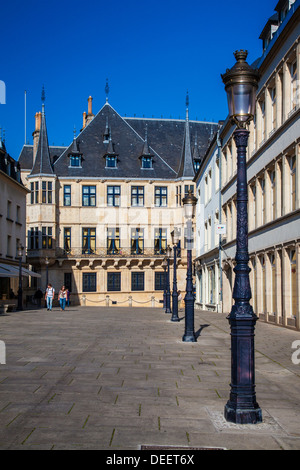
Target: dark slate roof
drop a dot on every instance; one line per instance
(167, 137)
(168, 141)
(42, 164)
(26, 155)
(8, 165)
(126, 143)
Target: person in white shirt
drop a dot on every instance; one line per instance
(62, 297)
(50, 291)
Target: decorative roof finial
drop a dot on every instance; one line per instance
(187, 100)
(43, 97)
(106, 90)
(43, 94)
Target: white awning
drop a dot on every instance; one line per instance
(8, 270)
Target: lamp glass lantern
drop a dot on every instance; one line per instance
(189, 204)
(241, 83)
(20, 250)
(175, 235)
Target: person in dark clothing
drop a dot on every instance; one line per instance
(38, 296)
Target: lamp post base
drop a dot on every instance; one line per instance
(237, 415)
(189, 338)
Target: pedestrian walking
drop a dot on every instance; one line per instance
(50, 291)
(62, 297)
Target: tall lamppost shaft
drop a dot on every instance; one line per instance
(175, 292)
(242, 407)
(189, 333)
(241, 83)
(20, 291)
(168, 293)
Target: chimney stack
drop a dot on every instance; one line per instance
(36, 133)
(90, 114)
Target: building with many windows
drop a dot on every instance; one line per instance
(101, 211)
(273, 171)
(12, 225)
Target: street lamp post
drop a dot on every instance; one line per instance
(47, 271)
(168, 292)
(189, 203)
(164, 265)
(20, 291)
(175, 241)
(241, 83)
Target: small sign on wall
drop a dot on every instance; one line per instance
(221, 229)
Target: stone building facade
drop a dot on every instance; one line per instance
(101, 211)
(12, 224)
(273, 171)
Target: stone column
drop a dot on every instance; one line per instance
(278, 277)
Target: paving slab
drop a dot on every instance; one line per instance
(119, 378)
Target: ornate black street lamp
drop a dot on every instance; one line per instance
(241, 83)
(175, 240)
(20, 291)
(168, 292)
(164, 265)
(189, 203)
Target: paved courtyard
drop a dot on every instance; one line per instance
(118, 378)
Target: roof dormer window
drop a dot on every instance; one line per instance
(147, 162)
(75, 161)
(111, 161)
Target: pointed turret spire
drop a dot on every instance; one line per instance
(106, 132)
(187, 169)
(42, 163)
(74, 145)
(146, 150)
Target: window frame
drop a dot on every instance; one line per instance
(89, 195)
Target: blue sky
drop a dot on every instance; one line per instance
(152, 52)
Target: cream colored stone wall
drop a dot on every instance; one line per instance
(102, 217)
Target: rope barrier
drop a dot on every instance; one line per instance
(120, 302)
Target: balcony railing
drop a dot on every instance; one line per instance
(105, 253)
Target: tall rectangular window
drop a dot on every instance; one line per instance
(32, 193)
(114, 282)
(46, 238)
(293, 182)
(137, 241)
(137, 281)
(88, 240)
(113, 241)
(159, 281)
(137, 195)
(89, 195)
(67, 239)
(113, 196)
(178, 196)
(46, 192)
(161, 196)
(160, 241)
(293, 84)
(89, 282)
(36, 192)
(67, 195)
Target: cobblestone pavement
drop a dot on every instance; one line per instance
(119, 378)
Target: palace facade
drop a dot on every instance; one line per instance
(100, 212)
